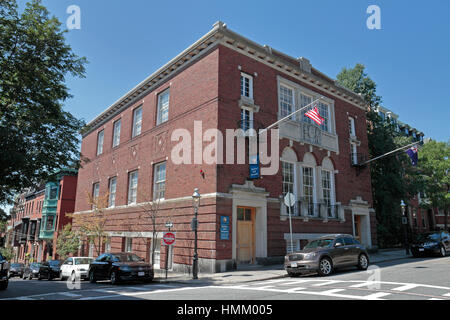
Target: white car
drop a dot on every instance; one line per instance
(75, 268)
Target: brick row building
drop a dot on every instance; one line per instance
(225, 81)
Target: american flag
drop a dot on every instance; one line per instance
(315, 116)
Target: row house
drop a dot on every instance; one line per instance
(225, 82)
(38, 215)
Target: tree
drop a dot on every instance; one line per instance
(91, 226)
(150, 211)
(392, 176)
(36, 135)
(68, 242)
(434, 162)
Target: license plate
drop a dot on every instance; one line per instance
(140, 274)
(421, 249)
(293, 264)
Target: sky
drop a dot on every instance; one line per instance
(408, 58)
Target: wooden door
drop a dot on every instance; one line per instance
(245, 235)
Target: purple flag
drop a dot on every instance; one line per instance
(412, 153)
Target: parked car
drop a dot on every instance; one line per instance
(75, 268)
(31, 271)
(16, 270)
(50, 269)
(431, 243)
(327, 253)
(122, 266)
(4, 269)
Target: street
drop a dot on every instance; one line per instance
(405, 279)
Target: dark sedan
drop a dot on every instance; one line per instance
(50, 269)
(16, 270)
(325, 254)
(432, 243)
(31, 271)
(118, 267)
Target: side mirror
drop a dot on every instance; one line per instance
(337, 245)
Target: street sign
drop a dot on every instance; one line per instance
(168, 238)
(224, 228)
(169, 224)
(289, 199)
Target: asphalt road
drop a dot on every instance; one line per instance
(406, 279)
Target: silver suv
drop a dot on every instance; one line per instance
(325, 254)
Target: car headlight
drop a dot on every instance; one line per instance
(309, 256)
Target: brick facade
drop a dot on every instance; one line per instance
(205, 86)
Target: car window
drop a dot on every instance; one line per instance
(444, 235)
(127, 257)
(339, 240)
(83, 261)
(428, 237)
(100, 257)
(348, 241)
(55, 263)
(319, 243)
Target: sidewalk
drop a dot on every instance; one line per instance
(258, 273)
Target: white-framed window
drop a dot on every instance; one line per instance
(157, 253)
(246, 85)
(304, 101)
(324, 111)
(288, 180)
(95, 193)
(100, 138)
(351, 127)
(327, 192)
(286, 101)
(91, 249)
(246, 119)
(163, 107)
(159, 182)
(112, 192)
(108, 245)
(132, 187)
(128, 244)
(137, 121)
(116, 132)
(308, 189)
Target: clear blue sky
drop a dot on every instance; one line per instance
(126, 41)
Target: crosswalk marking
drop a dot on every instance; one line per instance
(377, 295)
(447, 295)
(405, 287)
(70, 294)
(363, 284)
(325, 283)
(332, 291)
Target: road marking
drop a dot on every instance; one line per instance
(406, 287)
(326, 283)
(24, 298)
(332, 291)
(132, 294)
(69, 294)
(435, 299)
(376, 296)
(364, 284)
(294, 290)
(447, 295)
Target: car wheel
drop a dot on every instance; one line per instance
(442, 252)
(92, 277)
(114, 278)
(363, 262)
(325, 267)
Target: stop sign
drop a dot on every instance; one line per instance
(168, 238)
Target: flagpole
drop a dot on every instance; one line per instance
(290, 115)
(390, 152)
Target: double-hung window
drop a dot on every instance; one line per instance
(128, 244)
(132, 187)
(327, 193)
(137, 122)
(116, 133)
(163, 107)
(246, 85)
(351, 127)
(324, 112)
(304, 101)
(308, 190)
(354, 153)
(246, 119)
(286, 101)
(159, 181)
(288, 173)
(100, 138)
(112, 192)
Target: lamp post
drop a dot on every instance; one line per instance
(405, 226)
(194, 225)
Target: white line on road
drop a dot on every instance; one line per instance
(326, 283)
(128, 294)
(376, 296)
(69, 294)
(405, 287)
(332, 291)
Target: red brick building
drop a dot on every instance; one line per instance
(228, 82)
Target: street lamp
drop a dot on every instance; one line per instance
(405, 222)
(194, 225)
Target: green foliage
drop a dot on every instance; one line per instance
(7, 253)
(68, 242)
(36, 135)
